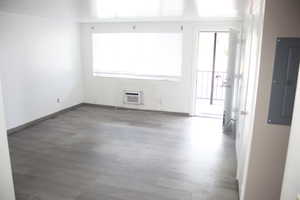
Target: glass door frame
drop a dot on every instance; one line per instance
(195, 65)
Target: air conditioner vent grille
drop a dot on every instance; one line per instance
(133, 97)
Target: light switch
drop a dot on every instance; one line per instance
(298, 197)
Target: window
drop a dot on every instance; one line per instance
(142, 55)
(139, 8)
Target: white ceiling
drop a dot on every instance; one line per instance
(88, 10)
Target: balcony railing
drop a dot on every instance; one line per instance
(204, 85)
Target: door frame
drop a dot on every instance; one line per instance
(194, 70)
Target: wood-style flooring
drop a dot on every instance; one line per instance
(93, 153)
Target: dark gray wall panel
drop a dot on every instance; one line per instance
(284, 81)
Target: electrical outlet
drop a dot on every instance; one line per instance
(58, 100)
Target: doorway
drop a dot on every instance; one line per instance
(213, 74)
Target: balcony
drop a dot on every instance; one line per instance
(210, 94)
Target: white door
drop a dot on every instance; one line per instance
(249, 81)
(243, 102)
(230, 83)
(6, 183)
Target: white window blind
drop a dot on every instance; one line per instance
(137, 54)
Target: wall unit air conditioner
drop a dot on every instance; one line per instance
(133, 97)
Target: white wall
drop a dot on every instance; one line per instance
(252, 36)
(6, 182)
(59, 9)
(173, 96)
(269, 142)
(40, 62)
(291, 181)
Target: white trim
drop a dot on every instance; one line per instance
(135, 76)
(162, 19)
(194, 73)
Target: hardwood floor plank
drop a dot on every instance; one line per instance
(93, 153)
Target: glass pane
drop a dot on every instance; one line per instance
(204, 84)
(205, 51)
(144, 54)
(222, 52)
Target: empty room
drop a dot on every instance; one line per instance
(149, 100)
